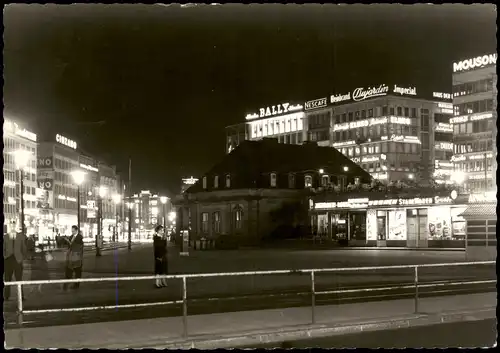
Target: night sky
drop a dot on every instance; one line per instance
(160, 83)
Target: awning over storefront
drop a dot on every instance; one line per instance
(480, 211)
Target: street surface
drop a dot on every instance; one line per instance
(121, 262)
(469, 334)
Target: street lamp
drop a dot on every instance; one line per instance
(78, 177)
(117, 198)
(163, 200)
(22, 158)
(130, 206)
(102, 194)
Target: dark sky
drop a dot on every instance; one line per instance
(167, 80)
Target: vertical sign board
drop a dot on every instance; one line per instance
(45, 182)
(91, 209)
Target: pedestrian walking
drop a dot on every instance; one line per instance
(74, 257)
(40, 269)
(14, 254)
(160, 254)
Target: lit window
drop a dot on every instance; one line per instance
(273, 180)
(204, 182)
(216, 181)
(238, 218)
(308, 181)
(204, 222)
(325, 180)
(216, 222)
(228, 181)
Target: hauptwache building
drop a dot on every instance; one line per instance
(393, 131)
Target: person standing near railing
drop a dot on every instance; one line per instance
(160, 254)
(74, 257)
(14, 253)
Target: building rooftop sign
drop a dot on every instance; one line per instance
(317, 103)
(66, 141)
(189, 181)
(274, 110)
(365, 203)
(475, 63)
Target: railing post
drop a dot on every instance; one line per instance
(313, 299)
(416, 289)
(184, 308)
(19, 305)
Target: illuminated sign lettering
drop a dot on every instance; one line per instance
(443, 127)
(477, 62)
(441, 95)
(345, 143)
(412, 91)
(189, 181)
(400, 120)
(445, 105)
(444, 146)
(340, 98)
(475, 117)
(360, 94)
(317, 103)
(365, 202)
(66, 141)
(88, 167)
(486, 197)
(275, 110)
(401, 138)
(370, 159)
(25, 133)
(44, 162)
(480, 156)
(457, 158)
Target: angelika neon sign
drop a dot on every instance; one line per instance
(273, 110)
(475, 63)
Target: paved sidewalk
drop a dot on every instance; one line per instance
(244, 328)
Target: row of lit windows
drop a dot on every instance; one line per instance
(216, 221)
(384, 147)
(65, 165)
(474, 127)
(376, 131)
(475, 146)
(485, 105)
(468, 88)
(474, 166)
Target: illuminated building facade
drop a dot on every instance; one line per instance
(57, 199)
(147, 212)
(16, 138)
(474, 121)
(393, 131)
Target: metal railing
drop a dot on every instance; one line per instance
(184, 277)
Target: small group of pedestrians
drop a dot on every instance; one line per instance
(18, 249)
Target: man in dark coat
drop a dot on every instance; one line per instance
(160, 254)
(74, 257)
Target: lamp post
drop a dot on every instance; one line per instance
(22, 158)
(78, 177)
(117, 198)
(102, 193)
(164, 200)
(130, 206)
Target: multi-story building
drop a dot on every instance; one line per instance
(16, 138)
(148, 211)
(393, 131)
(474, 121)
(58, 197)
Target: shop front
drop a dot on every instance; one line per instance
(428, 222)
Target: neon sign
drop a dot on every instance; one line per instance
(477, 62)
(412, 91)
(441, 95)
(360, 94)
(317, 103)
(66, 141)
